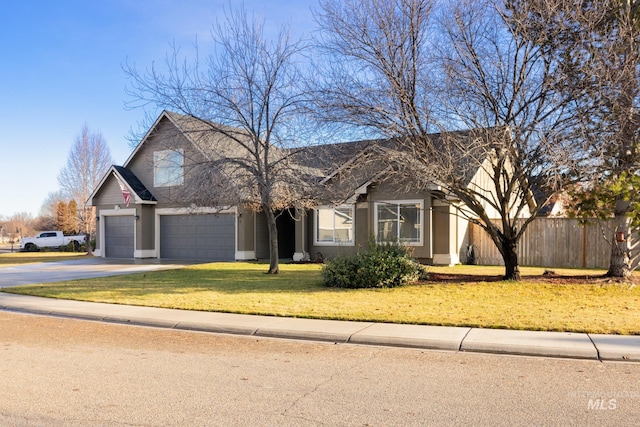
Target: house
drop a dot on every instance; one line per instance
(150, 207)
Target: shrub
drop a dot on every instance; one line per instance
(69, 247)
(383, 265)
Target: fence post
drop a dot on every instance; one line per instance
(584, 245)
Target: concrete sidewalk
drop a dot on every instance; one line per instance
(530, 343)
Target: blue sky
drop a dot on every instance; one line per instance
(62, 68)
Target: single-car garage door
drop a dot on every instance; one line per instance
(200, 237)
(119, 236)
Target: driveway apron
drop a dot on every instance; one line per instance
(77, 269)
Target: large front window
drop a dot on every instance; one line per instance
(334, 226)
(168, 168)
(399, 222)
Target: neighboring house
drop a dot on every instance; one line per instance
(556, 207)
(148, 208)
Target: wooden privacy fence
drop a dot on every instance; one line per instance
(549, 242)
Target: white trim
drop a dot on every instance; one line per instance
(189, 211)
(431, 241)
(235, 234)
(97, 252)
(223, 210)
(334, 243)
(245, 255)
(301, 232)
(419, 202)
(115, 212)
(301, 256)
(144, 253)
(446, 259)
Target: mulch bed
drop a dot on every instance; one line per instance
(546, 277)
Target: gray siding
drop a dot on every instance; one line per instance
(166, 137)
(110, 194)
(262, 236)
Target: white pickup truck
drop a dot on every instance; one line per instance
(51, 239)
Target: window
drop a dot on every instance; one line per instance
(334, 226)
(167, 168)
(399, 222)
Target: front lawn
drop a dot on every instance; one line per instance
(566, 302)
(16, 258)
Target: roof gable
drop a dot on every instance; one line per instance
(164, 116)
(339, 171)
(131, 180)
(131, 183)
(208, 138)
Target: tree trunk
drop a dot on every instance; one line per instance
(620, 261)
(510, 256)
(619, 265)
(89, 215)
(87, 237)
(507, 244)
(273, 241)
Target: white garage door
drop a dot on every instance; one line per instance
(199, 237)
(119, 236)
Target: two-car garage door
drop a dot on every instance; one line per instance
(200, 237)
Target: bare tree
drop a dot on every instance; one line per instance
(247, 98)
(47, 217)
(16, 226)
(393, 74)
(44, 222)
(598, 44)
(88, 161)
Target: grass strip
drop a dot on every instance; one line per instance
(18, 258)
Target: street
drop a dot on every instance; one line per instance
(66, 372)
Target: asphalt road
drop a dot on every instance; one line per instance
(66, 372)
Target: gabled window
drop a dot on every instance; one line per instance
(399, 221)
(168, 168)
(334, 226)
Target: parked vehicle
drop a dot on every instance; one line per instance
(51, 239)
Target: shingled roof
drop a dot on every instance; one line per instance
(134, 184)
(337, 171)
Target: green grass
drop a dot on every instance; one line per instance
(16, 258)
(298, 291)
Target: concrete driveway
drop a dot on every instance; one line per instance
(79, 269)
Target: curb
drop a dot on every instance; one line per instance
(444, 338)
